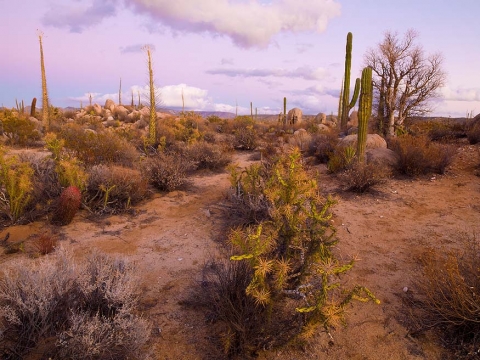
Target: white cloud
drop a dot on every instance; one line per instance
(460, 94)
(247, 23)
(136, 48)
(304, 72)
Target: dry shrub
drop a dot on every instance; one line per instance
(447, 131)
(361, 177)
(446, 298)
(167, 172)
(322, 146)
(473, 134)
(341, 159)
(54, 299)
(98, 148)
(207, 156)
(420, 156)
(112, 188)
(18, 129)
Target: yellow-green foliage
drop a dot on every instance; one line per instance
(71, 173)
(54, 144)
(18, 128)
(16, 185)
(341, 159)
(291, 251)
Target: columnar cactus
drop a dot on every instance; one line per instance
(284, 110)
(45, 104)
(152, 123)
(364, 112)
(347, 105)
(32, 107)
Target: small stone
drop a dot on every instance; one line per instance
(405, 289)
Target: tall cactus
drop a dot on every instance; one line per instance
(364, 112)
(152, 123)
(32, 107)
(284, 110)
(347, 104)
(45, 104)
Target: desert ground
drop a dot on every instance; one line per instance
(172, 235)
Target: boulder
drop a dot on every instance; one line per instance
(294, 116)
(109, 105)
(97, 109)
(382, 156)
(353, 119)
(140, 124)
(373, 141)
(321, 118)
(90, 131)
(37, 123)
(324, 128)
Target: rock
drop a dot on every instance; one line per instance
(324, 128)
(373, 141)
(140, 124)
(382, 156)
(110, 122)
(97, 109)
(353, 119)
(90, 131)
(300, 132)
(145, 112)
(132, 117)
(110, 118)
(109, 105)
(294, 116)
(37, 123)
(321, 118)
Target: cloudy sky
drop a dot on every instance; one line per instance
(220, 53)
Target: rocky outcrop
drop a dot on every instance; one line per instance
(373, 141)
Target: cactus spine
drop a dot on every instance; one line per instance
(347, 105)
(32, 107)
(45, 104)
(152, 124)
(364, 112)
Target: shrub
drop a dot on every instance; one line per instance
(341, 159)
(18, 128)
(207, 156)
(85, 310)
(419, 156)
(92, 148)
(16, 185)
(167, 172)
(70, 172)
(45, 243)
(322, 146)
(114, 188)
(67, 206)
(289, 264)
(473, 134)
(446, 298)
(245, 138)
(361, 177)
(446, 131)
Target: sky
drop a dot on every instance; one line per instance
(223, 54)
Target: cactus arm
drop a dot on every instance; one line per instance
(356, 92)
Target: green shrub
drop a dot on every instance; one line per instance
(420, 156)
(289, 265)
(16, 185)
(341, 159)
(445, 298)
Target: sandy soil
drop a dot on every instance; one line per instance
(172, 235)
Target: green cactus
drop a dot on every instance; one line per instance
(251, 110)
(346, 104)
(32, 107)
(152, 123)
(364, 112)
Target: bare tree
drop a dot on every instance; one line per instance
(404, 77)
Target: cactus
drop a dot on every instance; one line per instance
(45, 104)
(346, 104)
(364, 112)
(284, 110)
(120, 93)
(152, 122)
(32, 107)
(251, 110)
(67, 206)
